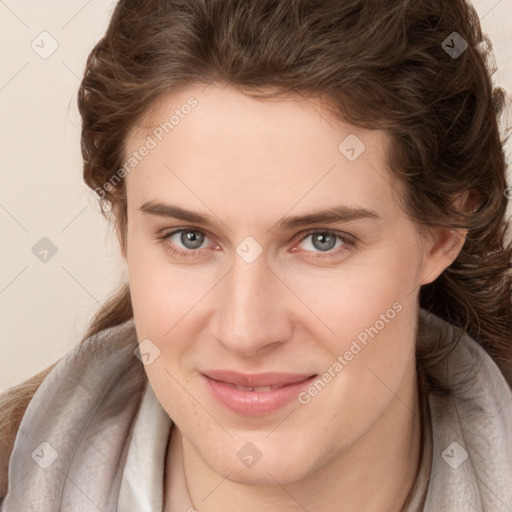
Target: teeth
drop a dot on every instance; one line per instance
(248, 388)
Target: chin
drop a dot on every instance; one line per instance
(271, 467)
(267, 474)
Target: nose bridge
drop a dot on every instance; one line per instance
(249, 313)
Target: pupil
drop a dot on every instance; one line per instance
(324, 236)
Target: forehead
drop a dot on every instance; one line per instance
(212, 107)
(208, 137)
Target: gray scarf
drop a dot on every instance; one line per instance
(72, 443)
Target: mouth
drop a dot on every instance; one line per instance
(271, 380)
(255, 394)
(249, 388)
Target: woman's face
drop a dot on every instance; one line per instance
(253, 289)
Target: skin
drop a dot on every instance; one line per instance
(248, 163)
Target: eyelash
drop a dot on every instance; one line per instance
(349, 242)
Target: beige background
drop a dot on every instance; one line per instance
(45, 307)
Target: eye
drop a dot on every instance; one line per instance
(324, 243)
(191, 239)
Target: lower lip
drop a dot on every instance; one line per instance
(255, 403)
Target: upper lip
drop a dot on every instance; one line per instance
(273, 379)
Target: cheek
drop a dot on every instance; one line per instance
(352, 297)
(174, 394)
(162, 293)
(370, 357)
(370, 311)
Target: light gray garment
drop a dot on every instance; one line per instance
(142, 484)
(72, 445)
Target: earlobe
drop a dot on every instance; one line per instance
(443, 252)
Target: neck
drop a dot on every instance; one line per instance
(358, 479)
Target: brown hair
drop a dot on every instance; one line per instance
(382, 64)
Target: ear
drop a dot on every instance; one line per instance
(442, 252)
(445, 244)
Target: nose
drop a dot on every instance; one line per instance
(251, 309)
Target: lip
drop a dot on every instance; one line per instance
(285, 387)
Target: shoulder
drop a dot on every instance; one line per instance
(76, 372)
(13, 404)
(471, 420)
(457, 360)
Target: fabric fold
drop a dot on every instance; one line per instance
(142, 487)
(72, 442)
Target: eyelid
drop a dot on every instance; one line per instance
(167, 233)
(341, 234)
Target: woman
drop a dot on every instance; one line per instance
(310, 203)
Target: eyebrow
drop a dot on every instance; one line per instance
(341, 213)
